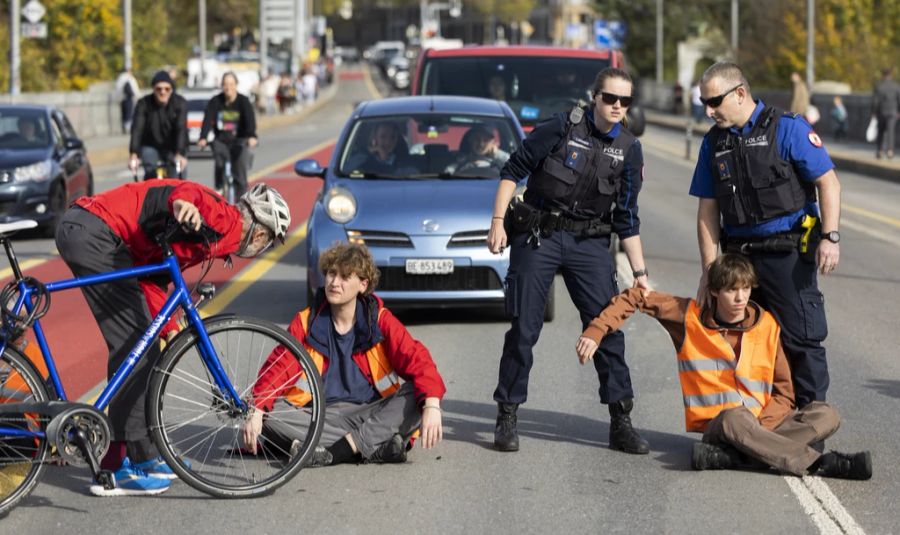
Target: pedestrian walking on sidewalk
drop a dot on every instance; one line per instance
(885, 108)
(839, 114)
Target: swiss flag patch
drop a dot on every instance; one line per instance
(814, 139)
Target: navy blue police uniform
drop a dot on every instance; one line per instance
(576, 174)
(763, 176)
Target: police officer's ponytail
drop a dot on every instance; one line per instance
(603, 76)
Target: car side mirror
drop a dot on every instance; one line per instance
(74, 144)
(309, 167)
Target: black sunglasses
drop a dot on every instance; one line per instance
(611, 98)
(715, 102)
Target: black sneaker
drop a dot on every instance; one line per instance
(390, 451)
(320, 457)
(846, 465)
(506, 436)
(710, 457)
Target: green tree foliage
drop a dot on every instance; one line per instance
(86, 38)
(854, 38)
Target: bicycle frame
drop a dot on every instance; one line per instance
(179, 297)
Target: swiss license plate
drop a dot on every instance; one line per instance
(429, 266)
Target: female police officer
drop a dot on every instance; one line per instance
(585, 174)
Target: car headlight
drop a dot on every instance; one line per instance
(340, 205)
(38, 172)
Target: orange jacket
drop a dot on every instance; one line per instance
(695, 334)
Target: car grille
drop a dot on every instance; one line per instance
(471, 238)
(378, 238)
(396, 279)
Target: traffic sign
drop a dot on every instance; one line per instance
(609, 34)
(34, 30)
(34, 11)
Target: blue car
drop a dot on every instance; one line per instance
(43, 165)
(414, 179)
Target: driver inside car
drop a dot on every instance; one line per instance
(478, 149)
(386, 151)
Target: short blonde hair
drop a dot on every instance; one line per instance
(348, 259)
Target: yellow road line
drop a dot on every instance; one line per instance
(26, 264)
(253, 273)
(871, 215)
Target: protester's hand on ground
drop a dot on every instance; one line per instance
(251, 429)
(432, 427)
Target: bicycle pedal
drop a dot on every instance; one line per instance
(105, 478)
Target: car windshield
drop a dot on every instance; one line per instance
(24, 129)
(425, 146)
(535, 87)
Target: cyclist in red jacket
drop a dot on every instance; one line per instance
(116, 230)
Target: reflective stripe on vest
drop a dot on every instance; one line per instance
(381, 373)
(713, 379)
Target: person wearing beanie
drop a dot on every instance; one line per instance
(159, 130)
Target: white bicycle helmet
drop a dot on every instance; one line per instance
(269, 209)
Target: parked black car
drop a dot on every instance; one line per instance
(43, 165)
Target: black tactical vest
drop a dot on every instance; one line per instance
(752, 183)
(582, 174)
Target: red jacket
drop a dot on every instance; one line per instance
(134, 211)
(409, 358)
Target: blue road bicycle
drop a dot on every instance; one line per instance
(199, 392)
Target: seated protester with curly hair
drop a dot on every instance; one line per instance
(381, 385)
(478, 149)
(735, 379)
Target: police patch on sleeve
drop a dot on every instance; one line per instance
(814, 139)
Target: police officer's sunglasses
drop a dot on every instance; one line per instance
(715, 102)
(611, 98)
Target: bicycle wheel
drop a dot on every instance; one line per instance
(22, 459)
(198, 431)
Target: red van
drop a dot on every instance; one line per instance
(536, 81)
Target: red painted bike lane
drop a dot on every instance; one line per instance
(72, 334)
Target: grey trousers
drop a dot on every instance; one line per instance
(368, 424)
(88, 246)
(785, 448)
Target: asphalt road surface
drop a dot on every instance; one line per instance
(564, 479)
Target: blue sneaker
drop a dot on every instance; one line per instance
(129, 480)
(157, 467)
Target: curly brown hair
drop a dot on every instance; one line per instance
(731, 271)
(347, 259)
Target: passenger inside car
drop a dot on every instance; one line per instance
(386, 152)
(28, 129)
(497, 87)
(478, 151)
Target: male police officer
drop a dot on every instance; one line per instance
(757, 176)
(585, 174)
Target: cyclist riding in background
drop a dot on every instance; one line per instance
(230, 116)
(159, 130)
(116, 230)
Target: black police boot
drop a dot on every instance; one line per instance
(622, 436)
(390, 451)
(506, 437)
(711, 457)
(845, 466)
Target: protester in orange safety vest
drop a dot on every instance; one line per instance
(735, 379)
(362, 352)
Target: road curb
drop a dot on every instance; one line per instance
(880, 169)
(119, 152)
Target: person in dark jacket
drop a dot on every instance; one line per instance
(362, 352)
(115, 230)
(230, 117)
(885, 108)
(159, 130)
(585, 172)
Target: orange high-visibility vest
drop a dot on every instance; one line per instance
(714, 379)
(383, 376)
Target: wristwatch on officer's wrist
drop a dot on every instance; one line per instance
(833, 236)
(640, 273)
